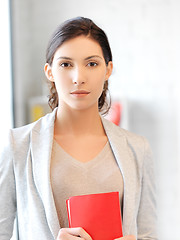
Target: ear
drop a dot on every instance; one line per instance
(48, 72)
(109, 70)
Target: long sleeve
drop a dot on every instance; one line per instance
(7, 192)
(147, 218)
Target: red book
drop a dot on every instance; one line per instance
(98, 214)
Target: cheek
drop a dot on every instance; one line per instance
(99, 86)
(62, 85)
(62, 80)
(101, 74)
(100, 79)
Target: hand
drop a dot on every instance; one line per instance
(73, 234)
(128, 237)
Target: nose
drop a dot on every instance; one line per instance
(79, 76)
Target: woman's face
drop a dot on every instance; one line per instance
(79, 72)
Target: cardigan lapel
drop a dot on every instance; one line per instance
(41, 147)
(124, 158)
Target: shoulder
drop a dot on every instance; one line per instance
(17, 141)
(137, 143)
(21, 135)
(40, 125)
(117, 131)
(133, 150)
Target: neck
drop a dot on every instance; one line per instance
(77, 123)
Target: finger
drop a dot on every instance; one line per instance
(76, 232)
(65, 235)
(128, 237)
(80, 232)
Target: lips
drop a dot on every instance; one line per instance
(80, 93)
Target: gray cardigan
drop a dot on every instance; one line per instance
(25, 188)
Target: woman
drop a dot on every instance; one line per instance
(73, 150)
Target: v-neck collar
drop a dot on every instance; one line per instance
(76, 162)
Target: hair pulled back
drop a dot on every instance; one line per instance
(68, 30)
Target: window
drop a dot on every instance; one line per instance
(5, 70)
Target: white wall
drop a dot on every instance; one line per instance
(145, 37)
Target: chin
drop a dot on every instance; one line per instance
(85, 107)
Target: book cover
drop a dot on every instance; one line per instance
(98, 214)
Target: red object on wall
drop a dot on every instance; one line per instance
(115, 113)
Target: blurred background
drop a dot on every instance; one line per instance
(145, 39)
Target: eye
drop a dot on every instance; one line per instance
(92, 64)
(65, 65)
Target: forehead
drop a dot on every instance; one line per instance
(81, 46)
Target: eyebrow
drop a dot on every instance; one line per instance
(87, 58)
(94, 56)
(67, 58)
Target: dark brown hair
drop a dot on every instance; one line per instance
(68, 30)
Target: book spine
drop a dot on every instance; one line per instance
(68, 212)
